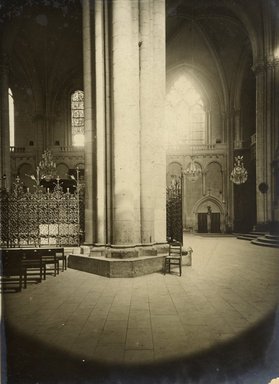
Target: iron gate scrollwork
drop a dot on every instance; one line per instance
(41, 217)
(174, 210)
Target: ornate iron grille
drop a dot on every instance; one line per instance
(41, 217)
(174, 211)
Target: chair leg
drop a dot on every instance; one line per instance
(167, 267)
(25, 278)
(20, 281)
(41, 273)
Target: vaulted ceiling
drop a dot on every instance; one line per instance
(219, 38)
(44, 42)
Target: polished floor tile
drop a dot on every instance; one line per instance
(216, 323)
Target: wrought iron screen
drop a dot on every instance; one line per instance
(174, 211)
(41, 217)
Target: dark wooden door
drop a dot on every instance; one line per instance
(215, 222)
(202, 222)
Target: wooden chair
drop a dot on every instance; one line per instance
(33, 265)
(12, 272)
(49, 257)
(174, 258)
(54, 256)
(60, 254)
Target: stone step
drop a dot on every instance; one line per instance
(257, 233)
(272, 237)
(251, 235)
(261, 238)
(263, 244)
(267, 241)
(246, 237)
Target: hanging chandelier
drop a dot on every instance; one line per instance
(47, 166)
(192, 172)
(239, 174)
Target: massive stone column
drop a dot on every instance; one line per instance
(159, 73)
(229, 191)
(5, 163)
(125, 160)
(100, 113)
(147, 121)
(108, 119)
(152, 103)
(89, 107)
(265, 138)
(276, 103)
(125, 130)
(97, 121)
(275, 161)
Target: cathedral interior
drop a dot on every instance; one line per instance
(127, 124)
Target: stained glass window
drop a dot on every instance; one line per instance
(77, 110)
(185, 117)
(11, 118)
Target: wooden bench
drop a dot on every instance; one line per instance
(35, 268)
(12, 273)
(32, 262)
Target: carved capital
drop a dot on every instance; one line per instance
(270, 64)
(266, 64)
(259, 67)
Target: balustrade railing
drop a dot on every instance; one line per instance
(54, 149)
(17, 149)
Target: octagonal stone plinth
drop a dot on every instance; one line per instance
(117, 261)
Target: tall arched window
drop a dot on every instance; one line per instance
(77, 113)
(197, 123)
(185, 114)
(11, 118)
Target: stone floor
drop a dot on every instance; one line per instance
(217, 323)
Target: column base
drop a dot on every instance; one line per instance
(116, 261)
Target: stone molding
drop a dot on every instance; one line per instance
(126, 251)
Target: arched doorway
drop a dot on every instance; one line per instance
(209, 216)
